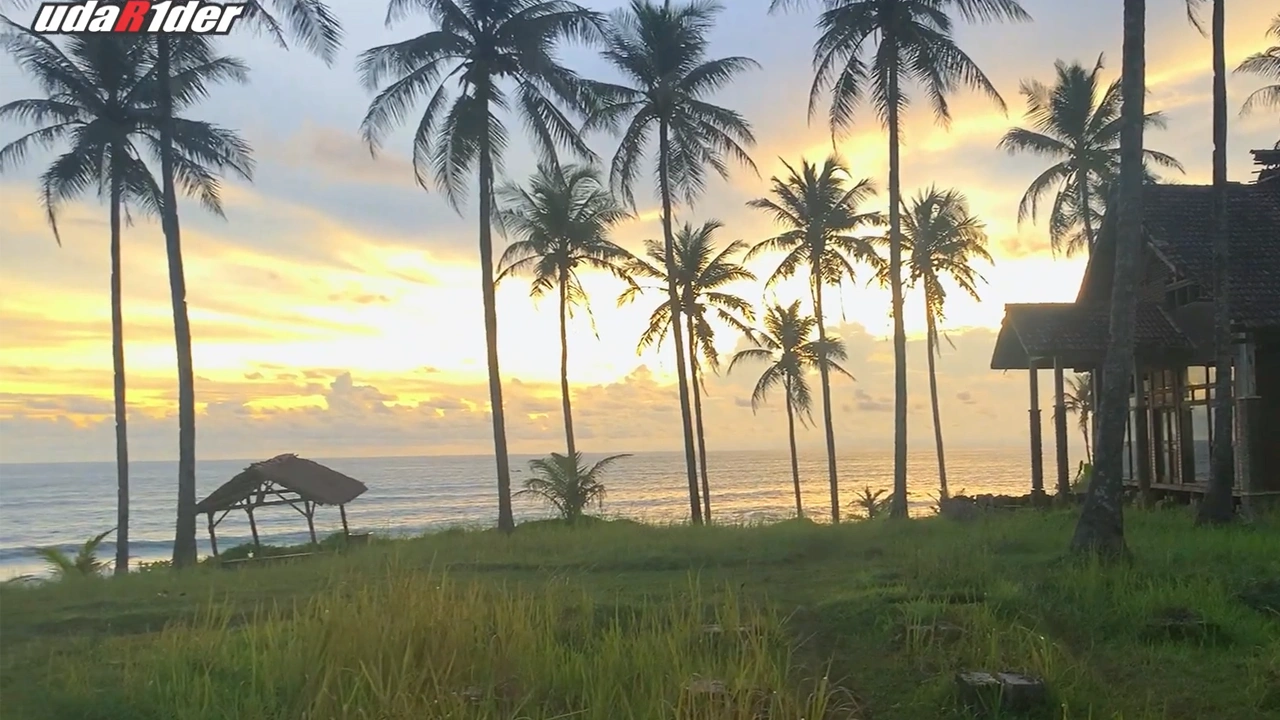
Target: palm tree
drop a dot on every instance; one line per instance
(311, 23)
(871, 47)
(565, 483)
(818, 208)
(1266, 64)
(502, 53)
(562, 221)
(99, 105)
(1100, 529)
(941, 238)
(1078, 400)
(1080, 129)
(1218, 506)
(661, 51)
(786, 345)
(701, 274)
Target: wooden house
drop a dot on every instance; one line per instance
(1169, 433)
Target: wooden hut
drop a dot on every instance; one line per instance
(283, 480)
(1170, 421)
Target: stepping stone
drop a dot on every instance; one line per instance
(709, 688)
(706, 695)
(1183, 625)
(988, 693)
(717, 630)
(471, 694)
(941, 632)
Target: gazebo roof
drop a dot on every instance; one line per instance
(310, 480)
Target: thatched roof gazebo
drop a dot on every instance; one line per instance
(283, 480)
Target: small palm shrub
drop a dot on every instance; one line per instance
(84, 564)
(567, 484)
(872, 504)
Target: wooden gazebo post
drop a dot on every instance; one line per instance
(310, 511)
(253, 526)
(213, 537)
(1037, 445)
(342, 509)
(1060, 427)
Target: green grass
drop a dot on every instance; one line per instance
(609, 621)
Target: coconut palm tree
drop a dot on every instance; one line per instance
(701, 273)
(99, 108)
(1076, 123)
(786, 345)
(818, 208)
(870, 49)
(501, 54)
(941, 239)
(1078, 400)
(1266, 64)
(1218, 506)
(313, 25)
(661, 52)
(567, 484)
(1100, 529)
(562, 221)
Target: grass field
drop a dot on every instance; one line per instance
(609, 621)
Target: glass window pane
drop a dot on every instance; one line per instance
(1200, 443)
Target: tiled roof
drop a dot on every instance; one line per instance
(1178, 223)
(1268, 162)
(1076, 333)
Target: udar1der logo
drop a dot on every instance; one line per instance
(137, 16)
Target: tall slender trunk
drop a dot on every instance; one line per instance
(564, 363)
(899, 507)
(824, 374)
(791, 437)
(117, 369)
(184, 538)
(931, 342)
(696, 384)
(1219, 505)
(1088, 451)
(1082, 191)
(677, 333)
(506, 521)
(1100, 529)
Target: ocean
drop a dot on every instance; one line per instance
(64, 504)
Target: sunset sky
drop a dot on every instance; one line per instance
(336, 311)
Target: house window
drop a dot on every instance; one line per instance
(1181, 293)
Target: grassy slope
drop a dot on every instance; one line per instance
(605, 621)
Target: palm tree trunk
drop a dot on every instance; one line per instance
(899, 506)
(1219, 506)
(931, 342)
(117, 369)
(1100, 529)
(564, 364)
(697, 421)
(506, 520)
(824, 373)
(1088, 451)
(184, 538)
(791, 437)
(1082, 190)
(673, 296)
